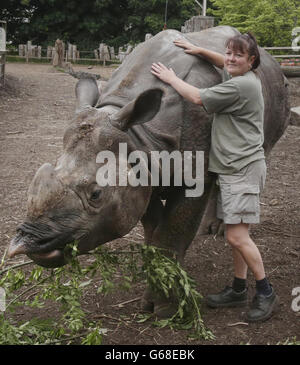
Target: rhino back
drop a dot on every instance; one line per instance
(180, 124)
(134, 76)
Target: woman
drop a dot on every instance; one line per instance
(237, 156)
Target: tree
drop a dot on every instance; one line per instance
(85, 24)
(271, 21)
(114, 22)
(148, 16)
(15, 13)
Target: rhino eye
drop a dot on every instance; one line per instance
(95, 195)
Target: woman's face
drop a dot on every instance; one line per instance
(237, 63)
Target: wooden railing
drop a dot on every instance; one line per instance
(86, 55)
(290, 63)
(284, 56)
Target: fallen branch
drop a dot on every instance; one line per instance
(271, 272)
(122, 321)
(120, 305)
(27, 290)
(237, 324)
(16, 266)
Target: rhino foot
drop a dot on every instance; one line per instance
(166, 310)
(161, 306)
(147, 305)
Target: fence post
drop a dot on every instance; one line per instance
(29, 49)
(74, 52)
(59, 49)
(69, 51)
(2, 51)
(101, 51)
(96, 54)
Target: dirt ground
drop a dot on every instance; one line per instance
(35, 107)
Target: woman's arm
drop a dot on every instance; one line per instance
(215, 58)
(186, 90)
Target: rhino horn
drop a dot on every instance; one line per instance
(87, 93)
(139, 111)
(15, 248)
(45, 191)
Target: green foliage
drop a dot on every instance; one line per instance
(166, 277)
(127, 21)
(86, 25)
(271, 21)
(149, 16)
(62, 289)
(113, 22)
(15, 13)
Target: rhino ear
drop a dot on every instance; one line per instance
(87, 94)
(139, 111)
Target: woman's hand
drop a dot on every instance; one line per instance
(163, 73)
(215, 58)
(167, 75)
(188, 47)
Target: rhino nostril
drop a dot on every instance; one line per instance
(20, 232)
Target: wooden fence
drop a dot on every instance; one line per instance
(104, 54)
(284, 56)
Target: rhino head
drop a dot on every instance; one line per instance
(65, 203)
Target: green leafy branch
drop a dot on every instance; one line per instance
(66, 285)
(166, 277)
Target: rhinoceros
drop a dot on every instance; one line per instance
(65, 203)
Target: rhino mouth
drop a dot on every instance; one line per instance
(52, 259)
(45, 249)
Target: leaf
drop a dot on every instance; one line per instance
(144, 318)
(85, 283)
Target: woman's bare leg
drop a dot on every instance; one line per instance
(240, 240)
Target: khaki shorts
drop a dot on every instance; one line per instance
(238, 197)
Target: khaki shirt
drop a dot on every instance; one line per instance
(237, 130)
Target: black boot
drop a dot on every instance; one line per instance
(262, 307)
(227, 298)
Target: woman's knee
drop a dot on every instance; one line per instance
(237, 235)
(234, 240)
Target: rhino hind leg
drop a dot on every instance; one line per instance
(210, 224)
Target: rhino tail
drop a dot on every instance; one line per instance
(87, 93)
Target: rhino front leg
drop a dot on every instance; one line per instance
(175, 230)
(150, 221)
(152, 218)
